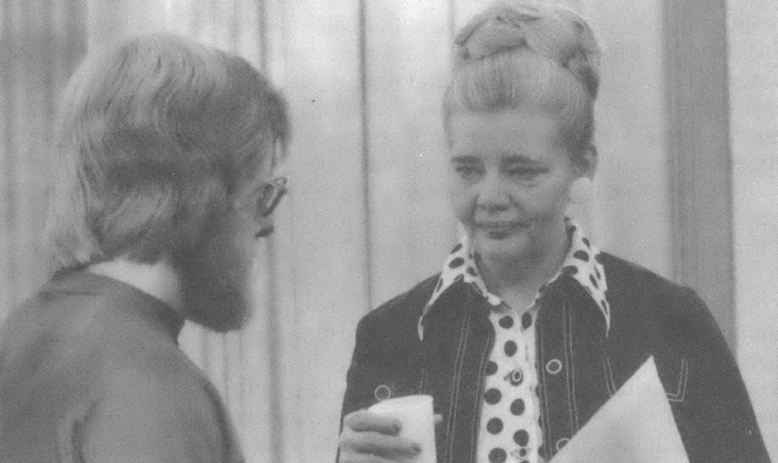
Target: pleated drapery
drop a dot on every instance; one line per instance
(41, 42)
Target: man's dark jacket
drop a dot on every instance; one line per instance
(649, 316)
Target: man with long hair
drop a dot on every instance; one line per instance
(165, 152)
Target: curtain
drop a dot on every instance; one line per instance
(753, 65)
(41, 42)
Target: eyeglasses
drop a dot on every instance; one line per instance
(270, 196)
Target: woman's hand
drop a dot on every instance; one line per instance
(369, 437)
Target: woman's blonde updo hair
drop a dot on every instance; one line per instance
(523, 55)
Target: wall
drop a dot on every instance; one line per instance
(41, 42)
(753, 67)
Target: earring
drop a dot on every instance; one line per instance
(581, 190)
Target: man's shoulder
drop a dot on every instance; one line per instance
(80, 338)
(164, 406)
(98, 366)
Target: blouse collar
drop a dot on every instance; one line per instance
(582, 264)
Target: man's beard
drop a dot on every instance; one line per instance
(215, 285)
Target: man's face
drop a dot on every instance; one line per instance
(217, 276)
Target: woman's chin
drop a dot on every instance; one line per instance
(491, 246)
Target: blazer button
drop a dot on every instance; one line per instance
(382, 392)
(554, 366)
(561, 443)
(515, 377)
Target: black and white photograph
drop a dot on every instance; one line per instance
(377, 231)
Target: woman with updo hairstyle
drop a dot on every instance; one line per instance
(529, 329)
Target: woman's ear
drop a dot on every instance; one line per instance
(581, 188)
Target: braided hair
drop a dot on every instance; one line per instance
(528, 56)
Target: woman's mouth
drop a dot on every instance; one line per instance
(498, 229)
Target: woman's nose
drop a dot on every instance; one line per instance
(493, 193)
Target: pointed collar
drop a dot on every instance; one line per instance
(582, 264)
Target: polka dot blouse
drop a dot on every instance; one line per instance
(510, 429)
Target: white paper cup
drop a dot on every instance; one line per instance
(418, 422)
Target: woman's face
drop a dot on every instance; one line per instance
(510, 178)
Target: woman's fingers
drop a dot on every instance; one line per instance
(373, 443)
(363, 459)
(363, 420)
(368, 437)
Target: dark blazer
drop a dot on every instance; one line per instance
(649, 316)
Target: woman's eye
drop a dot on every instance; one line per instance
(466, 171)
(524, 173)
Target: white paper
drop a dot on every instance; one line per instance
(418, 422)
(635, 426)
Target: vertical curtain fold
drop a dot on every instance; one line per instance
(42, 42)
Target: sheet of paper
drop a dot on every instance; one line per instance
(635, 426)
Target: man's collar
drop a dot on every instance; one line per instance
(582, 264)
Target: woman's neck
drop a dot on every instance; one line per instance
(516, 281)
